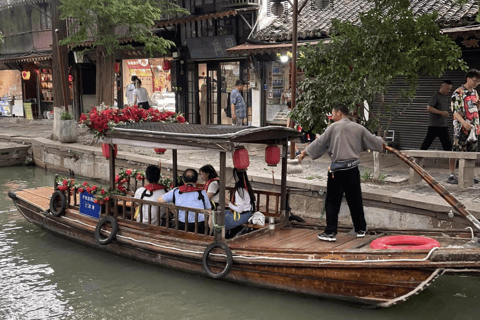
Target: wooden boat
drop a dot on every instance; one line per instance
(282, 255)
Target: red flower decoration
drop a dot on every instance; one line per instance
(128, 172)
(80, 190)
(181, 119)
(94, 188)
(65, 182)
(102, 191)
(107, 198)
(96, 201)
(88, 189)
(117, 179)
(85, 184)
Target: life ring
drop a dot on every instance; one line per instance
(58, 195)
(227, 268)
(404, 243)
(113, 233)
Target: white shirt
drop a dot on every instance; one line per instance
(129, 93)
(141, 94)
(213, 188)
(241, 204)
(156, 194)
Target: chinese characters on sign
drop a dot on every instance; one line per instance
(88, 207)
(210, 47)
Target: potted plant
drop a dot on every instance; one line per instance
(67, 128)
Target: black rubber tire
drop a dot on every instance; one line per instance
(111, 236)
(63, 203)
(227, 268)
(295, 218)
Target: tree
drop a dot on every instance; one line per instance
(107, 23)
(361, 61)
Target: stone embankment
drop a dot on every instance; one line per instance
(392, 204)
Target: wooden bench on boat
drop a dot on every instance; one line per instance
(466, 165)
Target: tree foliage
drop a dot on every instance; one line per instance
(108, 22)
(361, 61)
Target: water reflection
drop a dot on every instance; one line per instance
(47, 277)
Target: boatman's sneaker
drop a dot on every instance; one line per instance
(452, 179)
(361, 234)
(327, 236)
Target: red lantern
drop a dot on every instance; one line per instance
(70, 78)
(117, 67)
(272, 155)
(166, 65)
(160, 151)
(240, 158)
(25, 75)
(106, 150)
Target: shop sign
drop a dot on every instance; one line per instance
(88, 207)
(28, 111)
(139, 67)
(210, 47)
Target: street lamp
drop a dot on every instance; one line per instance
(284, 58)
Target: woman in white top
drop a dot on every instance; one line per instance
(242, 203)
(129, 90)
(152, 191)
(212, 186)
(140, 95)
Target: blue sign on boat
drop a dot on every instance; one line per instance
(88, 207)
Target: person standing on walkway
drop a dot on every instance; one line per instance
(437, 108)
(129, 90)
(343, 140)
(465, 103)
(140, 95)
(238, 106)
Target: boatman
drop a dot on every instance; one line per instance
(343, 140)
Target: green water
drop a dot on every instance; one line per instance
(47, 277)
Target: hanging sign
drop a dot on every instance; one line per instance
(88, 207)
(210, 47)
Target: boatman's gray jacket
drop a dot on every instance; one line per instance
(344, 140)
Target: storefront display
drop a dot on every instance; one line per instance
(278, 93)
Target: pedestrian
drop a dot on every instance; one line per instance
(239, 108)
(129, 90)
(140, 95)
(466, 127)
(437, 108)
(343, 140)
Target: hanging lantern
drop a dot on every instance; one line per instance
(272, 155)
(166, 65)
(25, 75)
(117, 67)
(240, 158)
(277, 8)
(70, 78)
(106, 150)
(159, 150)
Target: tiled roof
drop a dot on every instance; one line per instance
(314, 23)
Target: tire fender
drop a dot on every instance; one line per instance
(63, 203)
(98, 236)
(228, 254)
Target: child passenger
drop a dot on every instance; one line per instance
(152, 191)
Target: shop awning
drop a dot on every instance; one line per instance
(26, 58)
(264, 48)
(215, 15)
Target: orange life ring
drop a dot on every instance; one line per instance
(404, 243)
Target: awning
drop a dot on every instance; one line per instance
(26, 58)
(461, 29)
(89, 43)
(215, 15)
(265, 48)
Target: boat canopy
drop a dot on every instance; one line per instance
(187, 136)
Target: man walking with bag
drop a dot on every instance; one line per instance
(239, 108)
(343, 140)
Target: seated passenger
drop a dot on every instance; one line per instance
(189, 195)
(212, 187)
(152, 191)
(242, 203)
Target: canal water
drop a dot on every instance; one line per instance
(46, 277)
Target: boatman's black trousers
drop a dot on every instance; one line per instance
(348, 182)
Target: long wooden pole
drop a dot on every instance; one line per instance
(444, 193)
(294, 66)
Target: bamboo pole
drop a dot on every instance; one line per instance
(444, 193)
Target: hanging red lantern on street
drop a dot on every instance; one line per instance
(240, 158)
(25, 75)
(166, 65)
(106, 150)
(70, 78)
(272, 155)
(159, 150)
(117, 67)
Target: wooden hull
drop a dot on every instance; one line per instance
(378, 278)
